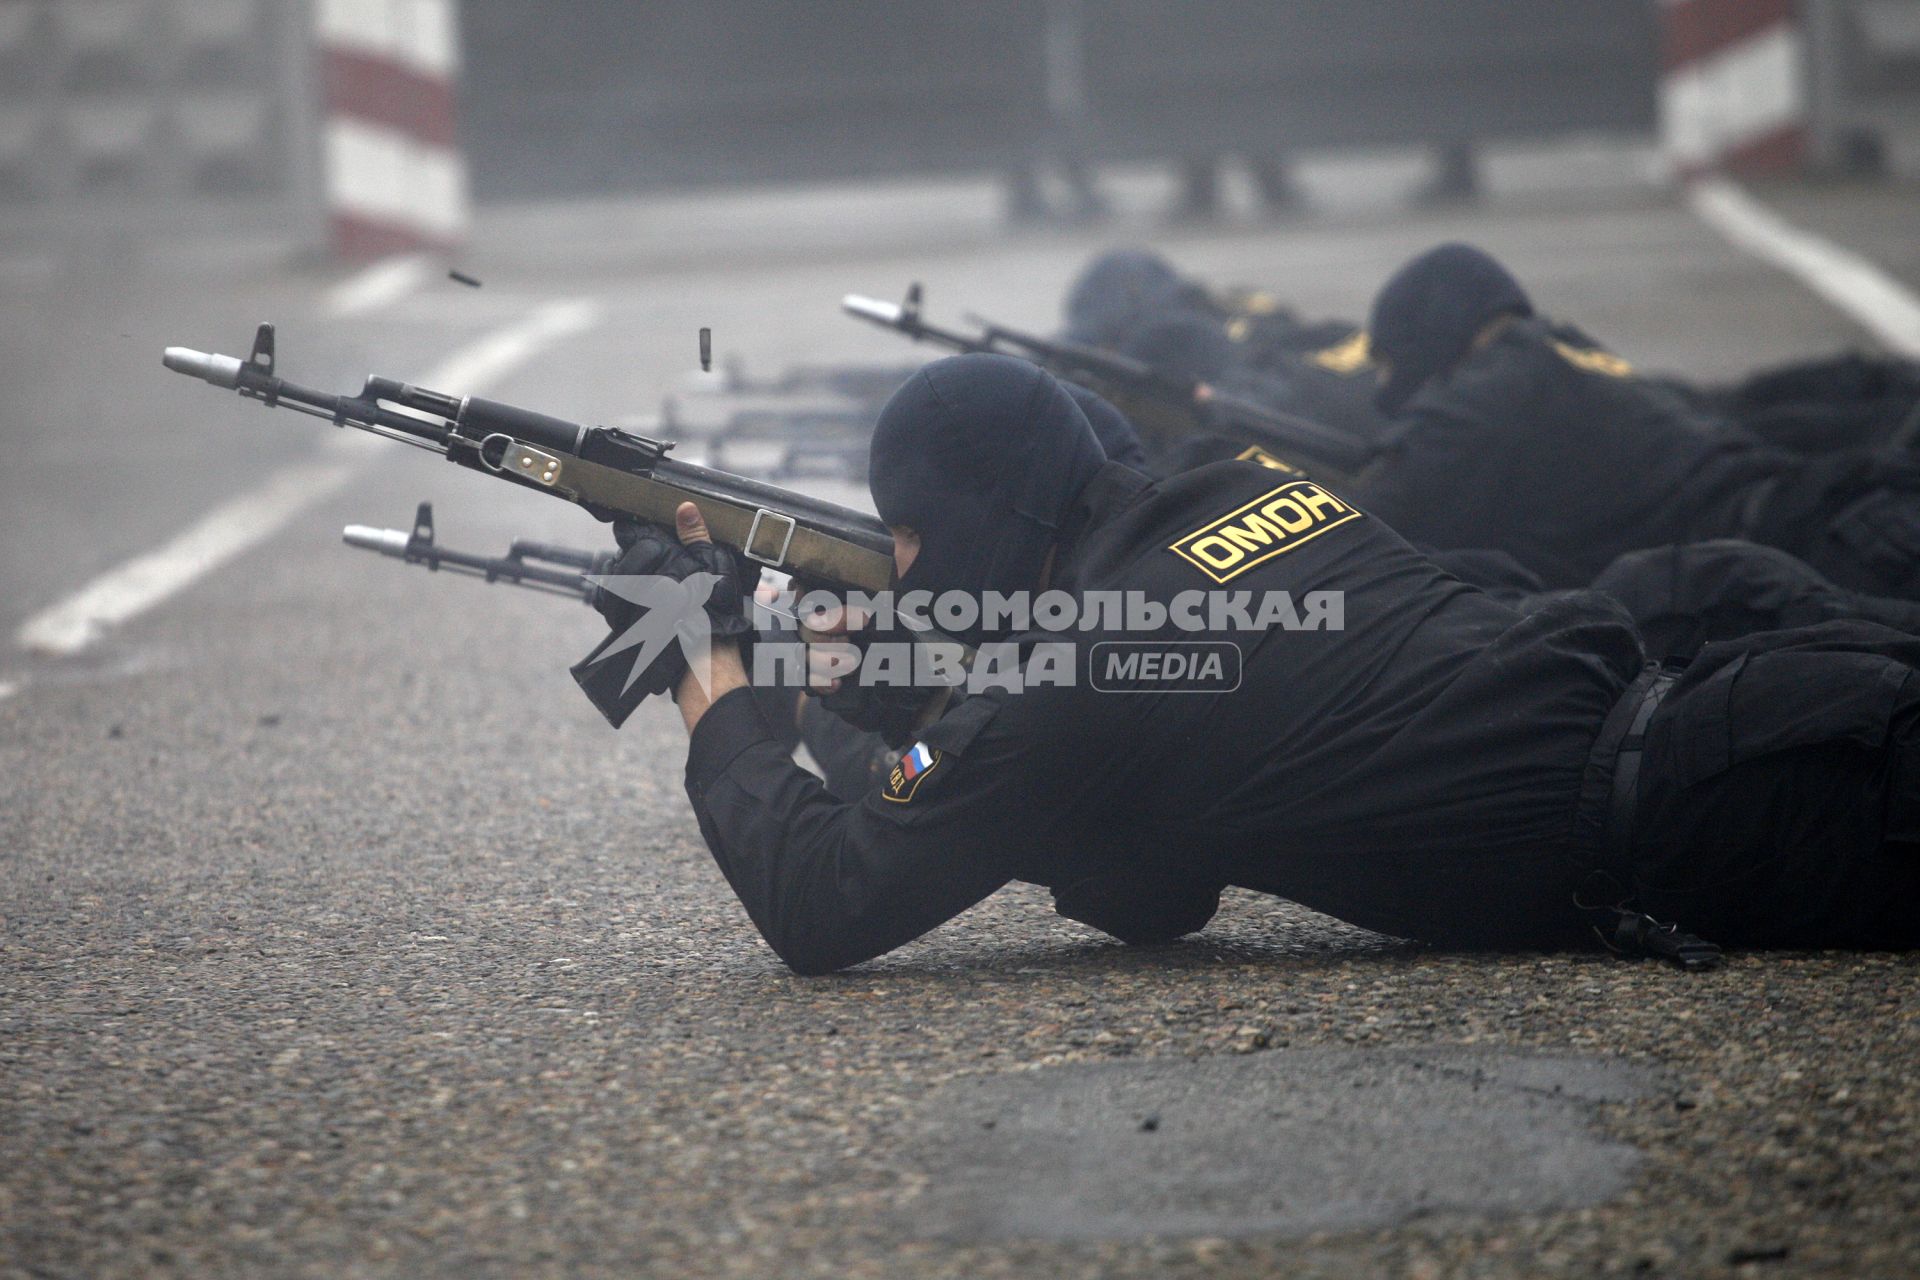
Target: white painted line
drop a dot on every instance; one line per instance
(381, 285)
(498, 353)
(1878, 302)
(214, 539)
(234, 526)
(8, 688)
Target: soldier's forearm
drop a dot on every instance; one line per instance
(724, 672)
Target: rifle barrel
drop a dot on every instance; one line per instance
(1284, 432)
(399, 545)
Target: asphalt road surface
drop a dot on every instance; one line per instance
(342, 938)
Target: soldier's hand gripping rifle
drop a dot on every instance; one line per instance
(610, 472)
(1132, 383)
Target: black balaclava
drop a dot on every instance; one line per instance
(983, 457)
(1117, 291)
(1118, 440)
(1426, 317)
(1190, 347)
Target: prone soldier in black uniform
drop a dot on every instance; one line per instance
(1243, 341)
(1525, 436)
(1135, 301)
(1442, 767)
(1680, 598)
(1848, 401)
(1333, 386)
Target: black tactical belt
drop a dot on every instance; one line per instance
(1652, 685)
(1610, 796)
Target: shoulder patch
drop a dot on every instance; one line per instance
(1593, 360)
(1257, 302)
(1254, 453)
(907, 773)
(1349, 356)
(1272, 524)
(960, 724)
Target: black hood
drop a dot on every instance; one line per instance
(1427, 316)
(1120, 290)
(982, 456)
(1117, 437)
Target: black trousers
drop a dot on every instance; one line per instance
(1853, 516)
(1780, 793)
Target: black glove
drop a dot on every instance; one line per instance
(658, 579)
(648, 550)
(891, 710)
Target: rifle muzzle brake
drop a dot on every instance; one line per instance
(221, 371)
(388, 542)
(873, 309)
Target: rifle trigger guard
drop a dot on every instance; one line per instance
(779, 557)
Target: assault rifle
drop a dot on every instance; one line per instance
(1131, 383)
(538, 566)
(610, 472)
(527, 563)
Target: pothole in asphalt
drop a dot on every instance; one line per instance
(1286, 1142)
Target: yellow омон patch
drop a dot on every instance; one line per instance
(1272, 524)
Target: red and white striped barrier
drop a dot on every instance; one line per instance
(396, 180)
(1732, 86)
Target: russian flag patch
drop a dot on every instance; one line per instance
(915, 763)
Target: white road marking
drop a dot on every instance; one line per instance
(1884, 306)
(504, 350)
(217, 537)
(380, 285)
(234, 526)
(8, 688)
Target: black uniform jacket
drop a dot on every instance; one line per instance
(1325, 373)
(1547, 448)
(1414, 772)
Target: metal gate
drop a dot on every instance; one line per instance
(582, 97)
